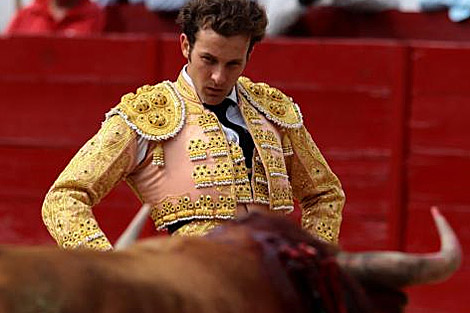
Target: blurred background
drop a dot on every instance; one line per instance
(384, 88)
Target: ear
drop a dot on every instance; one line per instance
(184, 43)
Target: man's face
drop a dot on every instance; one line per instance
(214, 63)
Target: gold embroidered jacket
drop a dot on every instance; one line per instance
(191, 171)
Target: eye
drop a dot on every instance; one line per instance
(207, 59)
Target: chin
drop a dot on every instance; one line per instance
(213, 101)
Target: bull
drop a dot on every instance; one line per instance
(255, 264)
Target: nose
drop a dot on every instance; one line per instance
(219, 76)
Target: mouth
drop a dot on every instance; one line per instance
(213, 90)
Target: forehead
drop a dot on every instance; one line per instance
(221, 47)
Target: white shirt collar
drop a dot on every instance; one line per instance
(232, 96)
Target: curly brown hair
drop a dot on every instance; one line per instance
(225, 17)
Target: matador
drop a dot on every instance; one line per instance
(209, 147)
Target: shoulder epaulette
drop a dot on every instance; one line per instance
(274, 104)
(154, 112)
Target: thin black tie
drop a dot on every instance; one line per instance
(246, 142)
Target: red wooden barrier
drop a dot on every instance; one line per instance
(439, 160)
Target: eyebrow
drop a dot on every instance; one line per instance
(207, 54)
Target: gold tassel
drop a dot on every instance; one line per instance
(158, 158)
(287, 146)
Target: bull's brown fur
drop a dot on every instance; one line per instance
(256, 264)
(157, 275)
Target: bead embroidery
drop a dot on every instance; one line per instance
(241, 173)
(287, 146)
(154, 112)
(276, 106)
(261, 193)
(267, 139)
(251, 115)
(282, 199)
(181, 208)
(202, 177)
(208, 121)
(217, 145)
(324, 231)
(243, 192)
(219, 175)
(276, 165)
(223, 174)
(197, 150)
(236, 152)
(158, 157)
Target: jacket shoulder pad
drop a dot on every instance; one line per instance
(274, 104)
(154, 112)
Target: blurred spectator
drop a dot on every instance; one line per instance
(459, 10)
(68, 17)
(284, 13)
(152, 5)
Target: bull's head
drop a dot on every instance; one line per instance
(394, 269)
(308, 268)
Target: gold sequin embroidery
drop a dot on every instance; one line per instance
(197, 150)
(217, 145)
(267, 139)
(276, 106)
(97, 167)
(174, 209)
(158, 157)
(208, 121)
(154, 112)
(243, 192)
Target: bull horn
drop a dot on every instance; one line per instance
(397, 269)
(132, 232)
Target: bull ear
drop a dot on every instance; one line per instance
(397, 269)
(133, 231)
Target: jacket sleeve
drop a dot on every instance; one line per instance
(314, 185)
(97, 167)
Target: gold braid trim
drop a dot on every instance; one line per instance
(315, 186)
(275, 105)
(97, 167)
(154, 112)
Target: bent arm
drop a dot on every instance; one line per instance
(97, 167)
(315, 186)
